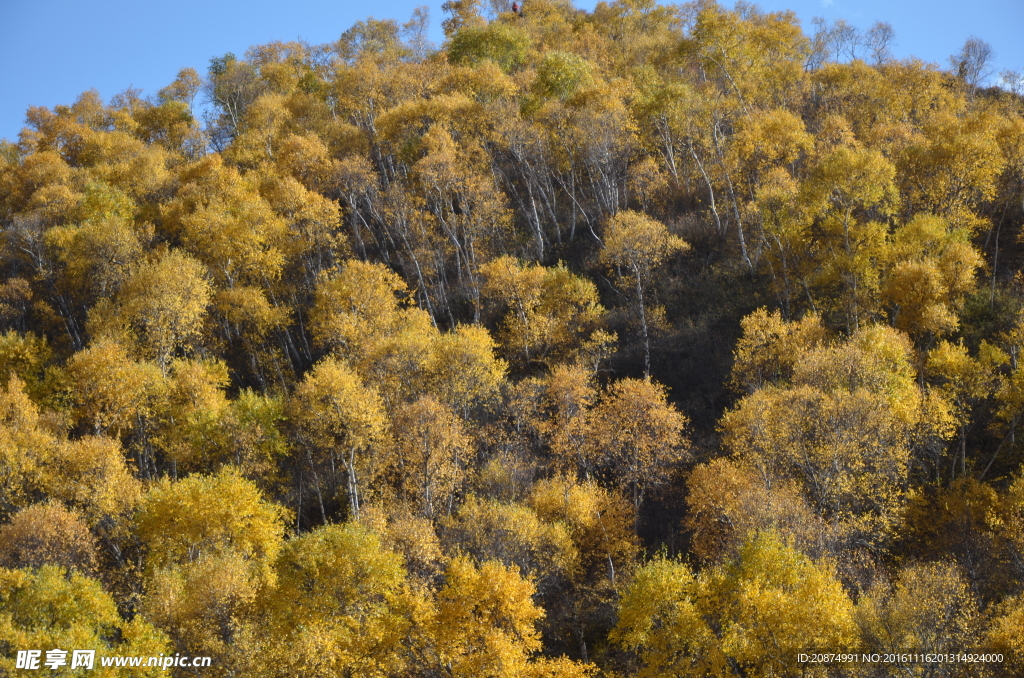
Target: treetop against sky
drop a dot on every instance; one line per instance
(53, 50)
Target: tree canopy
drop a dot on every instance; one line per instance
(653, 340)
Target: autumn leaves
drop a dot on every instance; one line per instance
(363, 375)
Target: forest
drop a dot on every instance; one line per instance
(652, 341)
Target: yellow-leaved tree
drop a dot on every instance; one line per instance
(431, 453)
(339, 421)
(340, 607)
(636, 245)
(485, 625)
(159, 311)
(748, 617)
(638, 434)
(933, 270)
(53, 608)
(551, 315)
(845, 426)
(926, 605)
(210, 545)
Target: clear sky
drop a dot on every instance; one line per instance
(929, 30)
(52, 50)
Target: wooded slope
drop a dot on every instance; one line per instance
(655, 341)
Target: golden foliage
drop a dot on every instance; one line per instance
(753, 613)
(47, 534)
(51, 607)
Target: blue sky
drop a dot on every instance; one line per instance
(52, 50)
(928, 30)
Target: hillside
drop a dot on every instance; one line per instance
(648, 341)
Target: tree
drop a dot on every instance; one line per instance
(764, 140)
(1006, 520)
(190, 413)
(972, 63)
(962, 525)
(415, 31)
(600, 524)
(341, 607)
(844, 39)
(1012, 81)
(210, 544)
(879, 41)
(748, 617)
(187, 337)
(562, 74)
(952, 169)
(463, 372)
(339, 421)
(221, 219)
(411, 536)
(25, 448)
(316, 242)
(561, 417)
(744, 48)
(89, 474)
(965, 382)
(786, 229)
(15, 294)
(770, 347)
(92, 476)
(934, 271)
(850, 187)
(552, 315)
(1003, 634)
(659, 620)
(465, 207)
(928, 603)
(356, 306)
(361, 312)
(47, 534)
(160, 310)
(23, 356)
(205, 607)
(110, 389)
(202, 516)
(184, 88)
(463, 14)
(51, 607)
(638, 244)
(847, 430)
(101, 253)
(728, 500)
(232, 87)
(251, 436)
(484, 625)
(512, 534)
(637, 433)
(505, 45)
(432, 449)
